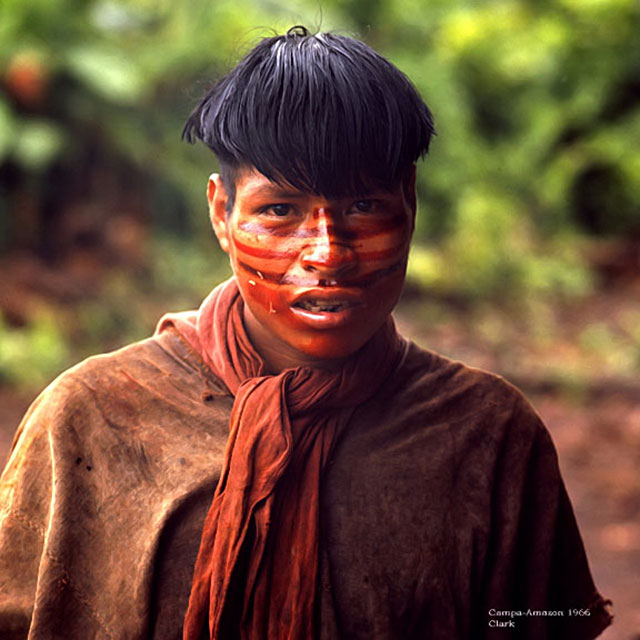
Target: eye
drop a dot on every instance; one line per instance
(364, 206)
(278, 210)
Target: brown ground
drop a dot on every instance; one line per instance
(581, 371)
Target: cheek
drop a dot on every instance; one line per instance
(261, 257)
(383, 257)
(383, 295)
(260, 264)
(262, 292)
(263, 296)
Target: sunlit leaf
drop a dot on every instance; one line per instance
(37, 144)
(111, 74)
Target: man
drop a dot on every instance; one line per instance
(281, 463)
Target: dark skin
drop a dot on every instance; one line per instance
(318, 276)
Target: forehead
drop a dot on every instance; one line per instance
(250, 183)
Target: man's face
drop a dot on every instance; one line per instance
(318, 277)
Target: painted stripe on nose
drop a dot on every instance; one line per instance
(366, 279)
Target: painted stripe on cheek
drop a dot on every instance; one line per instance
(363, 280)
(270, 254)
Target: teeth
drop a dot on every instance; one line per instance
(317, 307)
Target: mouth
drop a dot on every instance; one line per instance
(323, 309)
(314, 305)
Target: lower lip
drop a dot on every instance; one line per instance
(327, 319)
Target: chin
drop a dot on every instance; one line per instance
(331, 347)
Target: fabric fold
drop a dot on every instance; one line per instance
(257, 567)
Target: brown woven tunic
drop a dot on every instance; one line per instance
(441, 508)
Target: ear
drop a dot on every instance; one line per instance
(217, 199)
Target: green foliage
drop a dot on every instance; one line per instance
(536, 108)
(30, 356)
(116, 317)
(37, 143)
(124, 310)
(186, 271)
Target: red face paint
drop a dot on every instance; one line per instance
(318, 277)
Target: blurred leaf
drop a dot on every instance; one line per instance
(425, 267)
(32, 355)
(114, 76)
(7, 129)
(38, 143)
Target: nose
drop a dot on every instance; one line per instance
(329, 251)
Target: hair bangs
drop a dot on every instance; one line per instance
(322, 113)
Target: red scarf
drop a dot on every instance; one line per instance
(257, 568)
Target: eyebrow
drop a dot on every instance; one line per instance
(276, 192)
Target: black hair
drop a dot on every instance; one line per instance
(322, 113)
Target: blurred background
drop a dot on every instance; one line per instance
(527, 250)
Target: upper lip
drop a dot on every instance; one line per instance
(328, 295)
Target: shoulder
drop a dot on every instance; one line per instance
(144, 366)
(437, 416)
(148, 384)
(429, 382)
(452, 415)
(148, 362)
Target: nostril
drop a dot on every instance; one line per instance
(337, 260)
